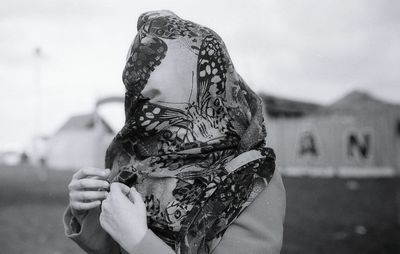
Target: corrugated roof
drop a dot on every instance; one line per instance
(353, 102)
(282, 107)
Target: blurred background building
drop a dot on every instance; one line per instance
(82, 140)
(358, 135)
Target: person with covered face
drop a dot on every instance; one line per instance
(190, 171)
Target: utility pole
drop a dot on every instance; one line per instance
(38, 149)
(38, 91)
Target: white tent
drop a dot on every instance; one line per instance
(81, 141)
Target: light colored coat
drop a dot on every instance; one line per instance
(258, 230)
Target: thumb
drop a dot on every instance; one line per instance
(120, 187)
(135, 197)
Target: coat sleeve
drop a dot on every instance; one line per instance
(258, 230)
(86, 231)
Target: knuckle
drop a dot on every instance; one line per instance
(77, 173)
(84, 183)
(72, 185)
(83, 195)
(84, 171)
(78, 184)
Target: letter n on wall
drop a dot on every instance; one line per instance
(358, 145)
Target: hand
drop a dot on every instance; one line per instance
(123, 216)
(88, 188)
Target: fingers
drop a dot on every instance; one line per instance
(90, 171)
(87, 188)
(85, 206)
(87, 195)
(119, 190)
(77, 184)
(119, 187)
(117, 194)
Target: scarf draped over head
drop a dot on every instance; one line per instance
(193, 143)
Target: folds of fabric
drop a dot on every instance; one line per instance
(193, 143)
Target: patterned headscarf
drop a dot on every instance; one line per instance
(193, 143)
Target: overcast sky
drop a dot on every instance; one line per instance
(314, 50)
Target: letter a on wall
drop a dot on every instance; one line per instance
(307, 145)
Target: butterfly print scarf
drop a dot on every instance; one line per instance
(193, 143)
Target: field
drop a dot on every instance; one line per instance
(323, 215)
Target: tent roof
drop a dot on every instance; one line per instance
(359, 101)
(355, 98)
(84, 121)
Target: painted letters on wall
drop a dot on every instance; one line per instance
(307, 145)
(358, 146)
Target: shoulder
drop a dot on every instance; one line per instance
(260, 226)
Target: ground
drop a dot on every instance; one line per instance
(323, 215)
